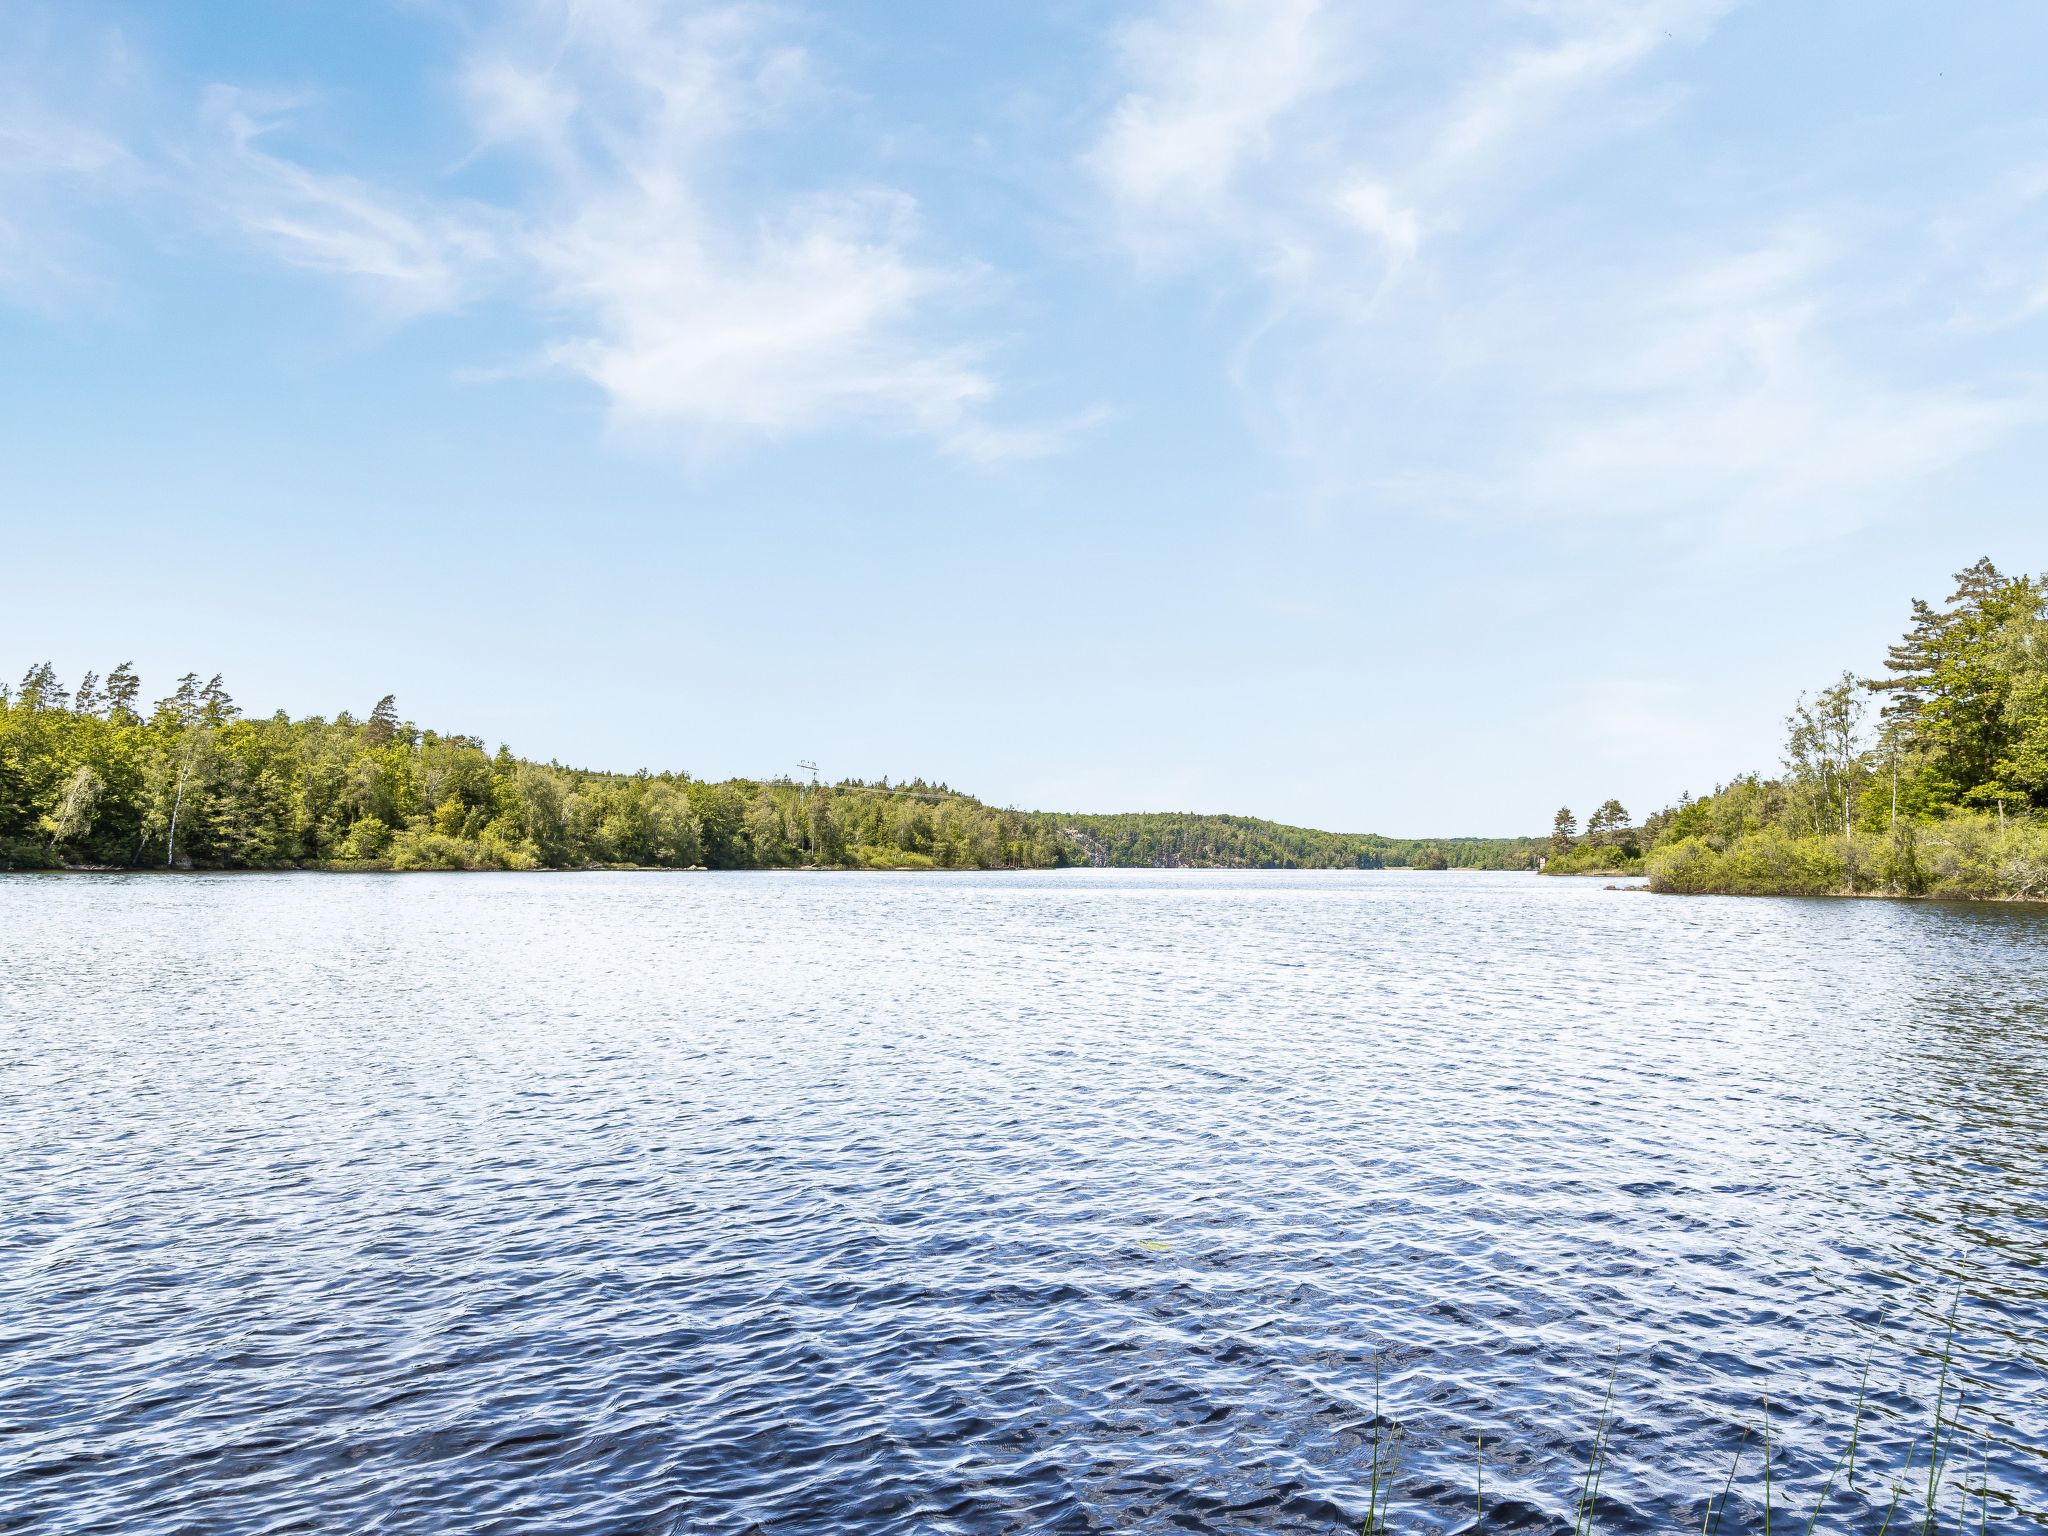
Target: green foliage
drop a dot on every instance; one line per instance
(1966, 856)
(1688, 866)
(87, 779)
(1179, 840)
(1564, 832)
(1590, 858)
(1948, 798)
(1611, 845)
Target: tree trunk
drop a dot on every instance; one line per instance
(177, 801)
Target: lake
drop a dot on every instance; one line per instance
(1076, 1201)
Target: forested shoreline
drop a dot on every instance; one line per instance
(93, 778)
(1929, 779)
(1164, 839)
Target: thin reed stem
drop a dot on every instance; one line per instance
(1740, 1445)
(1589, 1489)
(1935, 1460)
(1899, 1487)
(1847, 1451)
(1767, 1460)
(1861, 1387)
(1983, 1482)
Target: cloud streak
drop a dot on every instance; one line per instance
(408, 260)
(62, 155)
(1212, 83)
(704, 315)
(1428, 334)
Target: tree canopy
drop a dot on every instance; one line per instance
(94, 778)
(1943, 793)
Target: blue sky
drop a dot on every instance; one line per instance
(1396, 417)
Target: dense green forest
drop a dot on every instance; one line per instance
(1930, 778)
(1165, 839)
(93, 777)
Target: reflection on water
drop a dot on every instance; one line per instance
(1084, 1201)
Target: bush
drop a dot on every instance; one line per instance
(1768, 862)
(1965, 857)
(1687, 867)
(1898, 867)
(498, 850)
(1974, 856)
(869, 856)
(419, 849)
(1586, 859)
(367, 839)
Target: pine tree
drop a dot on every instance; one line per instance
(1911, 662)
(183, 705)
(1948, 684)
(123, 689)
(1963, 725)
(40, 689)
(1603, 825)
(1564, 830)
(383, 722)
(216, 708)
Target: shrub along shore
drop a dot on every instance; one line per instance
(1960, 857)
(1928, 780)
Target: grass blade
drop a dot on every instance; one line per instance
(1589, 1489)
(1847, 1451)
(1740, 1445)
(1767, 1460)
(1854, 1429)
(1935, 1459)
(1899, 1488)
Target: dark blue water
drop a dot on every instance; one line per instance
(1087, 1201)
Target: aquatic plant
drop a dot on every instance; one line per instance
(1942, 1437)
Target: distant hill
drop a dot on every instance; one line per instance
(1175, 840)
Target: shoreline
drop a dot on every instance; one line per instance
(754, 869)
(1648, 884)
(1853, 895)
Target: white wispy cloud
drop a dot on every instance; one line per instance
(1212, 82)
(700, 311)
(1719, 398)
(409, 257)
(795, 323)
(1281, 133)
(1412, 343)
(44, 160)
(63, 155)
(1514, 101)
(796, 312)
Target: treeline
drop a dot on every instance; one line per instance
(1611, 845)
(1172, 840)
(1930, 778)
(93, 777)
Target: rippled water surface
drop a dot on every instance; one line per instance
(1068, 1202)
